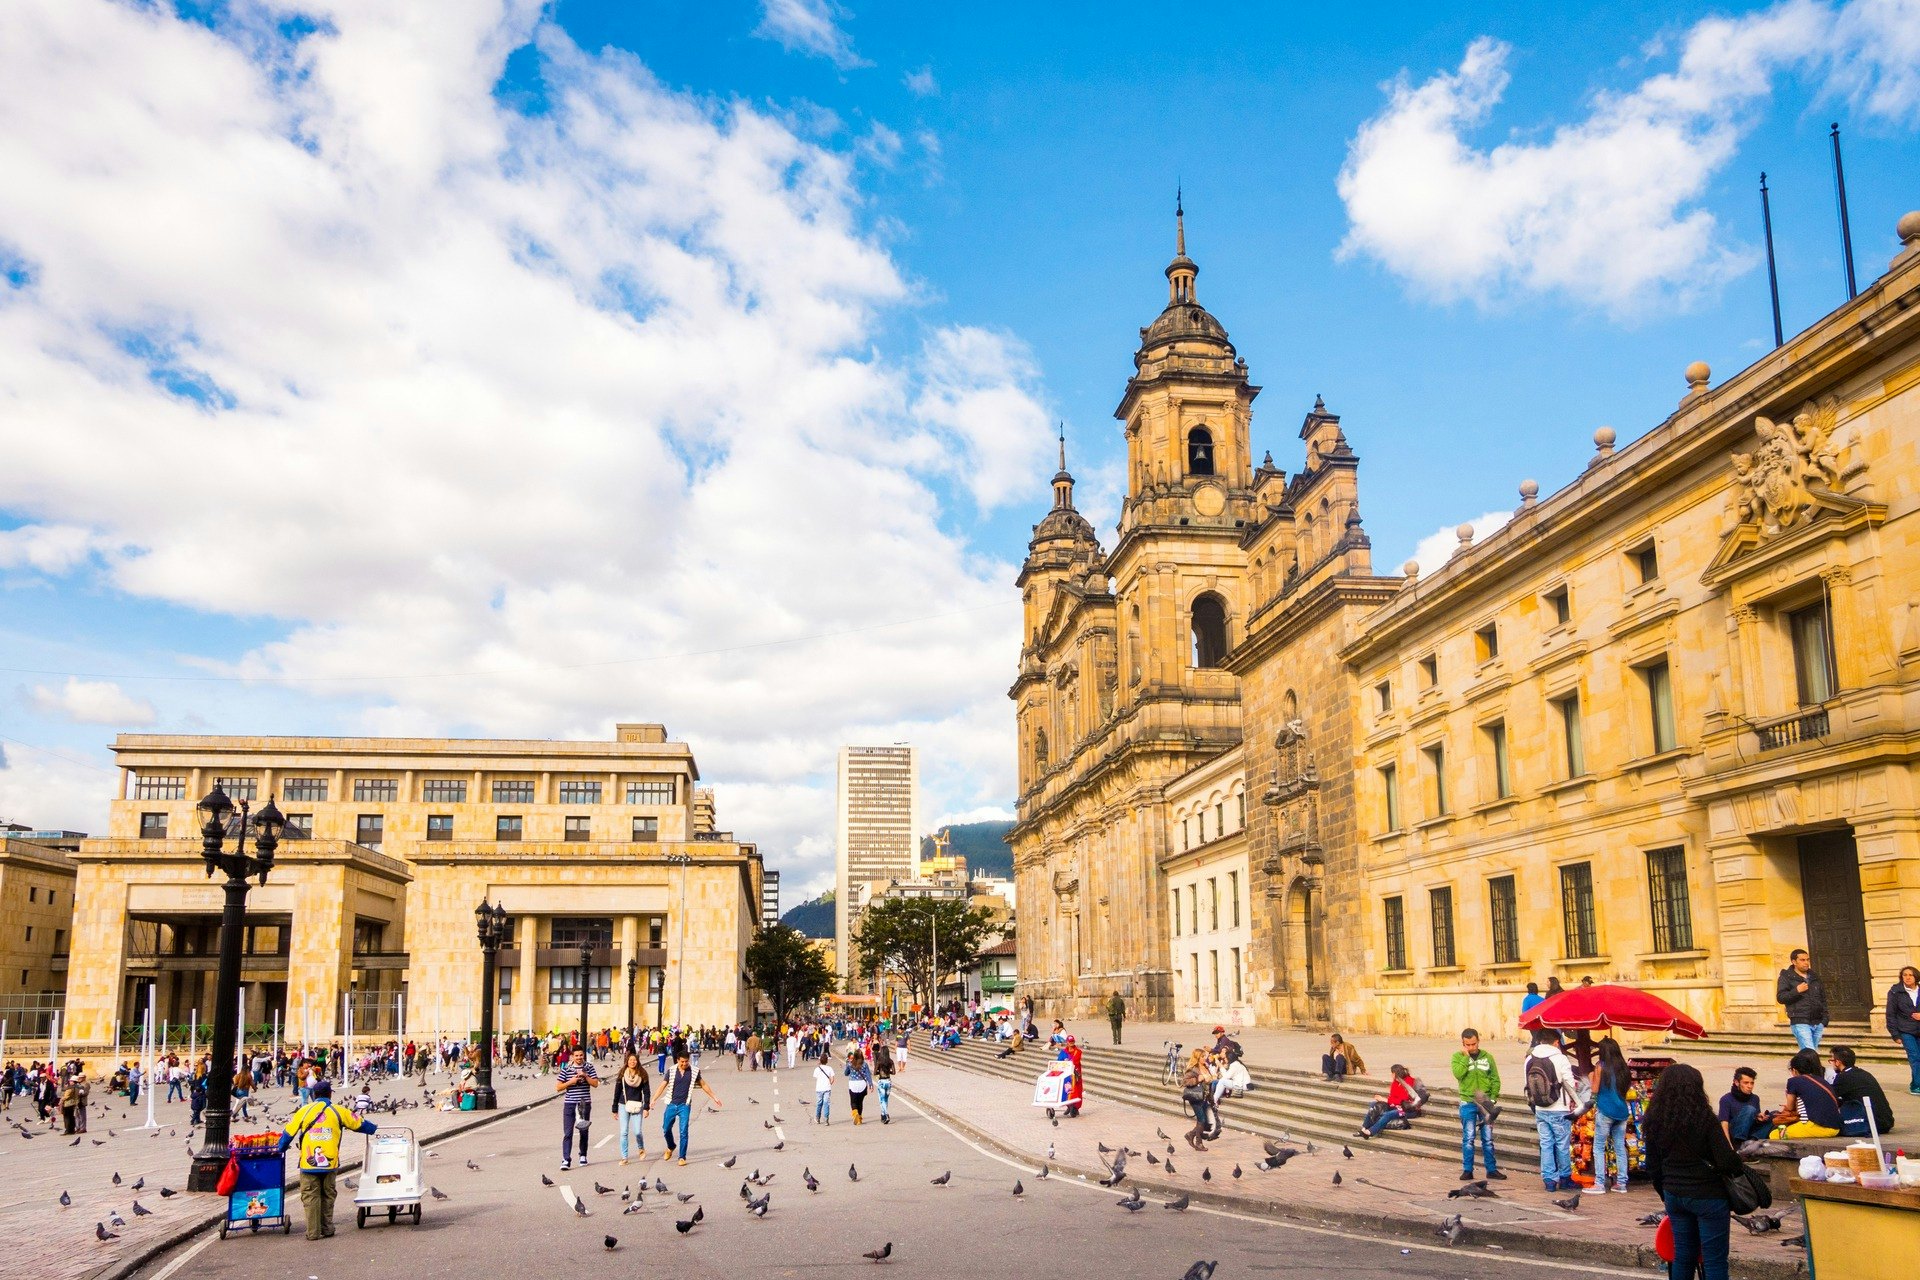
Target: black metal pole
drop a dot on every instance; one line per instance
(586, 973)
(1773, 278)
(483, 1095)
(211, 1159)
(633, 971)
(1840, 195)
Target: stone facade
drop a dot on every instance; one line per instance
(36, 917)
(1660, 728)
(1209, 911)
(604, 844)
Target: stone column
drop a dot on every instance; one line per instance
(1743, 653)
(319, 951)
(98, 955)
(1889, 849)
(529, 927)
(1746, 945)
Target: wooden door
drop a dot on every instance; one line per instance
(1836, 922)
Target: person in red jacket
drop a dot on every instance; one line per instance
(1401, 1103)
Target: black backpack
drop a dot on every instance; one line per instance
(1233, 1051)
(1543, 1085)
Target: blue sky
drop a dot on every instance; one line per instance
(591, 343)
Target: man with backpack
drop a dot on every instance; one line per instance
(1550, 1093)
(317, 1128)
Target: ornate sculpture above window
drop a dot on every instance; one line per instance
(1776, 481)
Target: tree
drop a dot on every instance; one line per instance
(903, 933)
(785, 965)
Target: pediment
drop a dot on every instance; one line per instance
(1750, 546)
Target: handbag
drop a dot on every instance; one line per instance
(1195, 1095)
(1748, 1190)
(229, 1177)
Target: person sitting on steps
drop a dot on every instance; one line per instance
(1341, 1060)
(1404, 1099)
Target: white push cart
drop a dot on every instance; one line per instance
(390, 1177)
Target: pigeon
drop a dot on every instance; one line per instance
(1347, 1152)
(1200, 1271)
(1478, 1190)
(728, 1162)
(744, 1193)
(116, 1178)
(140, 1210)
(1759, 1223)
(683, 1227)
(1050, 1151)
(116, 1219)
(1336, 1177)
(602, 1191)
(1276, 1157)
(943, 1179)
(813, 1183)
(1450, 1229)
(438, 1194)
(1571, 1203)
(759, 1206)
(780, 1145)
(476, 1168)
(853, 1174)
(1206, 1175)
(699, 1214)
(684, 1196)
(99, 1142)
(1236, 1170)
(1169, 1148)
(1019, 1190)
(1133, 1203)
(352, 1183)
(76, 1142)
(140, 1183)
(1795, 1242)
(1045, 1171)
(1161, 1134)
(881, 1254)
(167, 1193)
(1170, 1168)
(659, 1186)
(101, 1233)
(545, 1181)
(752, 1101)
(611, 1243)
(580, 1207)
(636, 1207)
(1056, 1124)
(66, 1201)
(766, 1124)
(1179, 1203)
(1103, 1148)
(1152, 1158)
(1651, 1220)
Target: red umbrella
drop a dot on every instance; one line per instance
(1606, 1005)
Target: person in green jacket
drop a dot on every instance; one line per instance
(317, 1128)
(1116, 1014)
(1478, 1077)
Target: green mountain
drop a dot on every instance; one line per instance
(815, 919)
(984, 844)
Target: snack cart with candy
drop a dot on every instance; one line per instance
(255, 1183)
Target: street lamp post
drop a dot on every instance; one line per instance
(239, 865)
(633, 975)
(586, 974)
(491, 922)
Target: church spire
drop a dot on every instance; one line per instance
(1062, 480)
(1181, 271)
(1179, 223)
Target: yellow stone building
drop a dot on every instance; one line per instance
(1660, 728)
(369, 911)
(36, 915)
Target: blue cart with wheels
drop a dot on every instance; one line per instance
(258, 1198)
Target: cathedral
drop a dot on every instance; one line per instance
(1659, 728)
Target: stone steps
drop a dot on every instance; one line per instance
(1283, 1102)
(1771, 1048)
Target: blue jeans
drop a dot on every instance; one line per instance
(683, 1111)
(1746, 1125)
(631, 1129)
(1382, 1120)
(823, 1105)
(574, 1115)
(1700, 1230)
(886, 1090)
(1806, 1034)
(1470, 1121)
(1912, 1045)
(1609, 1133)
(1556, 1147)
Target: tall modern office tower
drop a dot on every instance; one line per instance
(877, 811)
(769, 898)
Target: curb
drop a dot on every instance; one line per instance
(121, 1268)
(1398, 1227)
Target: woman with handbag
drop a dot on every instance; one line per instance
(859, 1080)
(632, 1101)
(1690, 1162)
(1196, 1090)
(1611, 1080)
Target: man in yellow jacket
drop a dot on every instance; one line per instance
(317, 1128)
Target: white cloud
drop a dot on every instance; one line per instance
(1604, 210)
(1438, 547)
(92, 702)
(921, 83)
(810, 27)
(52, 790)
(509, 410)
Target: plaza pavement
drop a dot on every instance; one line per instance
(47, 1241)
(1394, 1196)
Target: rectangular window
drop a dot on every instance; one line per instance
(653, 791)
(1176, 911)
(369, 829)
(1213, 896)
(513, 792)
(1239, 992)
(580, 931)
(1486, 643)
(579, 792)
(1496, 734)
(376, 788)
(579, 829)
(239, 788)
(646, 829)
(1193, 909)
(1576, 911)
(1573, 749)
(1240, 803)
(1220, 818)
(1213, 970)
(1396, 933)
(440, 826)
(303, 789)
(1441, 902)
(656, 929)
(33, 893)
(1812, 630)
(1384, 692)
(508, 828)
(506, 985)
(153, 826)
(1560, 605)
(1646, 563)
(1672, 909)
(1233, 893)
(160, 786)
(1429, 671)
(1504, 901)
(563, 984)
(444, 791)
(1390, 794)
(301, 823)
(1193, 971)
(1659, 680)
(1436, 757)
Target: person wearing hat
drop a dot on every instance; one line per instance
(317, 1127)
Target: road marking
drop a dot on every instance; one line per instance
(604, 1141)
(186, 1257)
(1499, 1255)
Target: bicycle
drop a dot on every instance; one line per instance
(1170, 1072)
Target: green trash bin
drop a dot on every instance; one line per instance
(466, 1102)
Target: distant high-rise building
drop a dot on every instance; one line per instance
(877, 811)
(769, 898)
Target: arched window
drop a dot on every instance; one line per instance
(1209, 631)
(1199, 452)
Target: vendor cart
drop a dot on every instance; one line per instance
(390, 1177)
(1050, 1090)
(257, 1197)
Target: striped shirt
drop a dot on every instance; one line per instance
(575, 1078)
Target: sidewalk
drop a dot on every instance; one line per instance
(1385, 1194)
(46, 1240)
